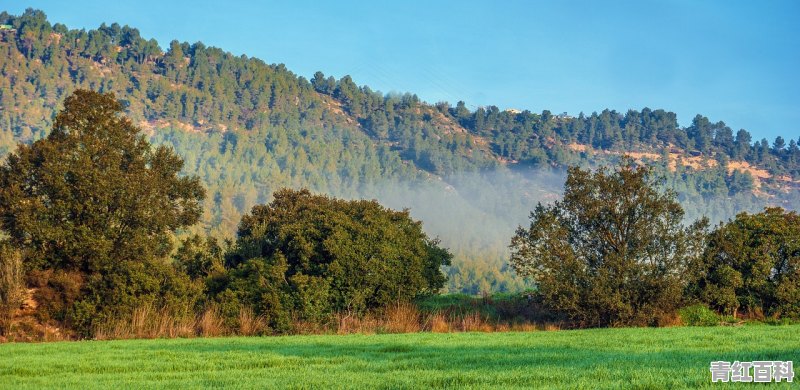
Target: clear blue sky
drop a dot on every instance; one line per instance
(734, 61)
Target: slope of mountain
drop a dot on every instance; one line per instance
(248, 128)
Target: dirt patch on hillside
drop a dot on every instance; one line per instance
(335, 107)
(446, 124)
(744, 166)
(150, 126)
(643, 155)
(578, 147)
(758, 174)
(697, 163)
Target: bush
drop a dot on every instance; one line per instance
(86, 302)
(305, 257)
(55, 292)
(613, 252)
(699, 315)
(751, 265)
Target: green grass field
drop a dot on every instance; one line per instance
(595, 358)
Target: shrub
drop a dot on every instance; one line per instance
(117, 293)
(614, 251)
(56, 292)
(752, 264)
(199, 257)
(699, 315)
(304, 257)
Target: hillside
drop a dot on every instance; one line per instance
(248, 128)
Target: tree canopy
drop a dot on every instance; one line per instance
(93, 200)
(752, 263)
(311, 255)
(614, 251)
(94, 192)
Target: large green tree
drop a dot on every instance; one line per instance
(752, 263)
(613, 251)
(311, 254)
(93, 200)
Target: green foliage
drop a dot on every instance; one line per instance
(56, 292)
(614, 251)
(498, 308)
(752, 263)
(699, 315)
(94, 201)
(121, 290)
(309, 255)
(199, 257)
(93, 192)
(259, 283)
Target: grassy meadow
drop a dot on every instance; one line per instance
(592, 358)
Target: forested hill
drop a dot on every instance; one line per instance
(248, 128)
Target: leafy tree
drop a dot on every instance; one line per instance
(94, 192)
(95, 200)
(613, 251)
(752, 263)
(311, 254)
(199, 257)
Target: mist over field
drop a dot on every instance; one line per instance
(474, 214)
(481, 208)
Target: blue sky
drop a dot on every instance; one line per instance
(734, 61)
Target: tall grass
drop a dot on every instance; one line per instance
(439, 315)
(251, 324)
(211, 324)
(12, 287)
(408, 318)
(402, 318)
(148, 322)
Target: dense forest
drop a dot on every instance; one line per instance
(247, 128)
